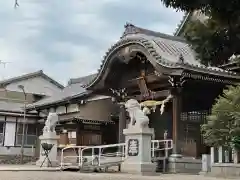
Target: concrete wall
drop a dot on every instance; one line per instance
(10, 131)
(94, 109)
(97, 110)
(14, 96)
(29, 151)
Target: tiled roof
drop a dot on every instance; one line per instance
(168, 51)
(71, 91)
(182, 24)
(28, 76)
(83, 80)
(74, 89)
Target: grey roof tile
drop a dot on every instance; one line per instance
(69, 91)
(171, 48)
(74, 88)
(169, 51)
(83, 80)
(28, 76)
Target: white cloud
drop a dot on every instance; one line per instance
(68, 38)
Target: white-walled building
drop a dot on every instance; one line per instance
(35, 86)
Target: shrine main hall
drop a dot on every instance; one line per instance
(161, 72)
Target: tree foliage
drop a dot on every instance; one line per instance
(226, 11)
(219, 37)
(223, 125)
(212, 41)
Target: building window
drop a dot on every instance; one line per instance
(2, 126)
(30, 134)
(72, 137)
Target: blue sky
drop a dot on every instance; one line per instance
(68, 38)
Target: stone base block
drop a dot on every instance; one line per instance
(47, 164)
(143, 169)
(225, 170)
(184, 165)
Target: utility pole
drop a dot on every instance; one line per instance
(24, 123)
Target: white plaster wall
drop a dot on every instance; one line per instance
(72, 108)
(16, 151)
(36, 85)
(52, 110)
(61, 109)
(97, 110)
(10, 130)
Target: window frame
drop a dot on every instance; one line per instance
(3, 133)
(17, 135)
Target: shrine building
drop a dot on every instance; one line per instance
(161, 72)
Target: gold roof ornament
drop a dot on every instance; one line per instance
(150, 103)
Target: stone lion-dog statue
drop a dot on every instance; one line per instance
(137, 116)
(51, 122)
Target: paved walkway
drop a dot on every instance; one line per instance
(31, 172)
(27, 168)
(38, 175)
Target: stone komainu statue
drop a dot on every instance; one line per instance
(51, 122)
(137, 116)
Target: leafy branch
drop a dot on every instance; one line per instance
(223, 125)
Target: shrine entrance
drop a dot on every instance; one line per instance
(161, 72)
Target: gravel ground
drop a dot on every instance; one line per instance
(28, 175)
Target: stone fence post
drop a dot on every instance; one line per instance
(212, 155)
(223, 156)
(220, 154)
(235, 156)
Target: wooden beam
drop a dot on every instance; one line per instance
(157, 95)
(153, 87)
(150, 78)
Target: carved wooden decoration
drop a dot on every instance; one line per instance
(143, 86)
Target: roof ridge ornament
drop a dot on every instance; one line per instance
(130, 29)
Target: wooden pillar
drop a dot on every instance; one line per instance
(78, 134)
(176, 108)
(121, 123)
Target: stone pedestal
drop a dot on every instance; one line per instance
(49, 138)
(206, 163)
(184, 165)
(138, 151)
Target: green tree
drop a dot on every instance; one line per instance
(225, 11)
(219, 37)
(212, 41)
(223, 125)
